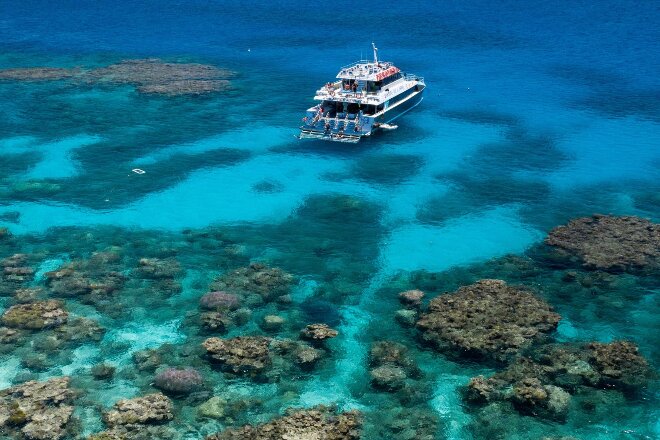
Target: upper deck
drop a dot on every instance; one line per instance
(368, 71)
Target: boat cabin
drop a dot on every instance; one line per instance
(336, 108)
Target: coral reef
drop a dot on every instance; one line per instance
(35, 316)
(315, 423)
(488, 319)
(137, 418)
(220, 301)
(540, 384)
(256, 278)
(156, 268)
(149, 76)
(261, 358)
(103, 371)
(179, 381)
(531, 396)
(619, 364)
(37, 73)
(318, 332)
(15, 273)
(152, 76)
(391, 366)
(90, 279)
(244, 355)
(609, 243)
(37, 410)
(272, 323)
(411, 298)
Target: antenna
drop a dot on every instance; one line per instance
(375, 52)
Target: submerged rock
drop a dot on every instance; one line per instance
(609, 242)
(411, 298)
(14, 273)
(531, 396)
(244, 355)
(262, 358)
(80, 329)
(219, 301)
(216, 321)
(9, 336)
(619, 364)
(318, 332)
(272, 323)
(390, 366)
(103, 371)
(319, 423)
(147, 360)
(37, 410)
(84, 278)
(35, 316)
(137, 418)
(4, 233)
(27, 295)
(388, 377)
(406, 317)
(179, 381)
(541, 385)
(155, 268)
(152, 408)
(214, 408)
(307, 357)
(488, 319)
(37, 73)
(257, 278)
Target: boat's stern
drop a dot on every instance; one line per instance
(343, 127)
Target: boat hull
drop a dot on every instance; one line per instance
(370, 124)
(404, 107)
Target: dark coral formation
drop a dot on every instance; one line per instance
(257, 278)
(37, 410)
(155, 268)
(391, 366)
(540, 385)
(35, 316)
(149, 76)
(16, 272)
(37, 73)
(316, 423)
(619, 364)
(138, 418)
(488, 319)
(157, 77)
(261, 358)
(92, 279)
(610, 243)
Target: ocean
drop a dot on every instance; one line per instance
(535, 113)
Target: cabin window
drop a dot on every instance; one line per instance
(373, 87)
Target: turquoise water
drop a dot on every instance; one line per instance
(535, 113)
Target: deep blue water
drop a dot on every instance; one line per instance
(536, 112)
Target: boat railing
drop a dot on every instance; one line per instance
(381, 65)
(413, 77)
(355, 63)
